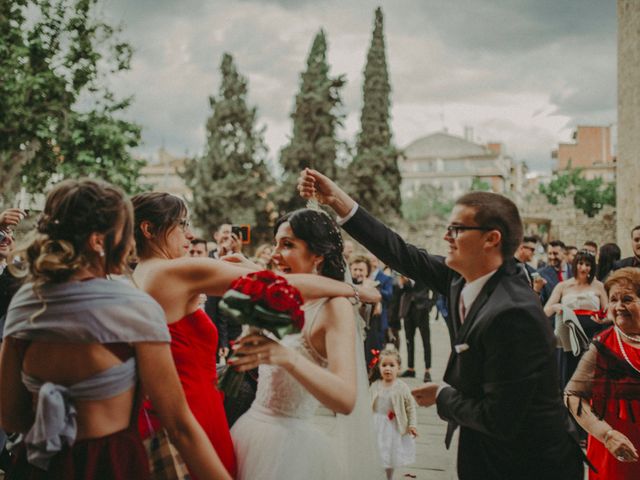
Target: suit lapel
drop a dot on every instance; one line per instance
(456, 289)
(480, 300)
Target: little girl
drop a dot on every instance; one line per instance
(395, 417)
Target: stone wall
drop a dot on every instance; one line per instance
(628, 120)
(567, 223)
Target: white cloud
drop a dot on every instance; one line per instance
(522, 73)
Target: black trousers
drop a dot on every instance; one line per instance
(418, 318)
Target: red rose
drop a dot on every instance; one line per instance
(282, 298)
(266, 276)
(391, 415)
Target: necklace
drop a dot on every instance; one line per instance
(632, 338)
(624, 352)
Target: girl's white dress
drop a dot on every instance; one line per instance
(276, 438)
(396, 449)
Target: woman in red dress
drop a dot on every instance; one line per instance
(176, 281)
(604, 393)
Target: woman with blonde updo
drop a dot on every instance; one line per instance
(78, 344)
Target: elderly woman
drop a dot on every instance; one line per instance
(604, 393)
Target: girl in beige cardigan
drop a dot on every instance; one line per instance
(394, 414)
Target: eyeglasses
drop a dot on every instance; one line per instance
(184, 224)
(454, 230)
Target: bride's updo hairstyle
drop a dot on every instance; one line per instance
(322, 236)
(75, 209)
(163, 211)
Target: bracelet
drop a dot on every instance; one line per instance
(355, 300)
(607, 435)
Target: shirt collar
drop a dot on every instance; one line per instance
(471, 290)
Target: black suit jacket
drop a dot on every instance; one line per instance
(504, 391)
(627, 262)
(550, 274)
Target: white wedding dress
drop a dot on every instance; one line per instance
(277, 439)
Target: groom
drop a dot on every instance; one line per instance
(501, 381)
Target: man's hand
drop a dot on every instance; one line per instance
(312, 183)
(426, 394)
(230, 245)
(11, 217)
(538, 284)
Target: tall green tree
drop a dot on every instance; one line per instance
(315, 120)
(58, 118)
(589, 195)
(231, 182)
(373, 175)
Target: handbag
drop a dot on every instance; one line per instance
(165, 462)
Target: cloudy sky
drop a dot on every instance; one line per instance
(521, 72)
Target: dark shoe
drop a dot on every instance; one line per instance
(427, 377)
(408, 374)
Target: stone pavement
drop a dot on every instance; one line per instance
(433, 460)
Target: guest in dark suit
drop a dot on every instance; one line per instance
(501, 380)
(556, 269)
(634, 260)
(416, 303)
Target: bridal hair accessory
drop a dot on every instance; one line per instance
(267, 303)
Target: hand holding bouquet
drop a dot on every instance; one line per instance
(267, 303)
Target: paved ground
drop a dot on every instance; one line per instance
(433, 460)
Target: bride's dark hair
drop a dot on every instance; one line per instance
(322, 236)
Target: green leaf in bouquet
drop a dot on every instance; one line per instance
(274, 319)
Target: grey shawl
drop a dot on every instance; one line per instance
(95, 311)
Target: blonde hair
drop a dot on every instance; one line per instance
(390, 352)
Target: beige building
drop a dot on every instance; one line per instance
(591, 151)
(162, 174)
(452, 163)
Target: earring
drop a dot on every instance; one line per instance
(101, 253)
(315, 269)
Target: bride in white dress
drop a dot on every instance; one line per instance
(276, 438)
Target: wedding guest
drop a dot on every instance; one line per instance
(604, 393)
(591, 246)
(77, 345)
(198, 248)
(556, 270)
(569, 253)
(263, 256)
(583, 296)
(394, 414)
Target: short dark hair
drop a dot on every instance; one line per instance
(196, 241)
(496, 212)
(557, 243)
(361, 259)
(585, 256)
(590, 243)
(530, 238)
(637, 227)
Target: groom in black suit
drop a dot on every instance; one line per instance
(501, 380)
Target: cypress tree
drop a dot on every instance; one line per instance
(315, 120)
(231, 182)
(373, 174)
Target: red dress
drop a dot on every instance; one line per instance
(194, 341)
(622, 415)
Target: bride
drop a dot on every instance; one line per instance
(276, 438)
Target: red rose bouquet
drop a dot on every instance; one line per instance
(265, 302)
